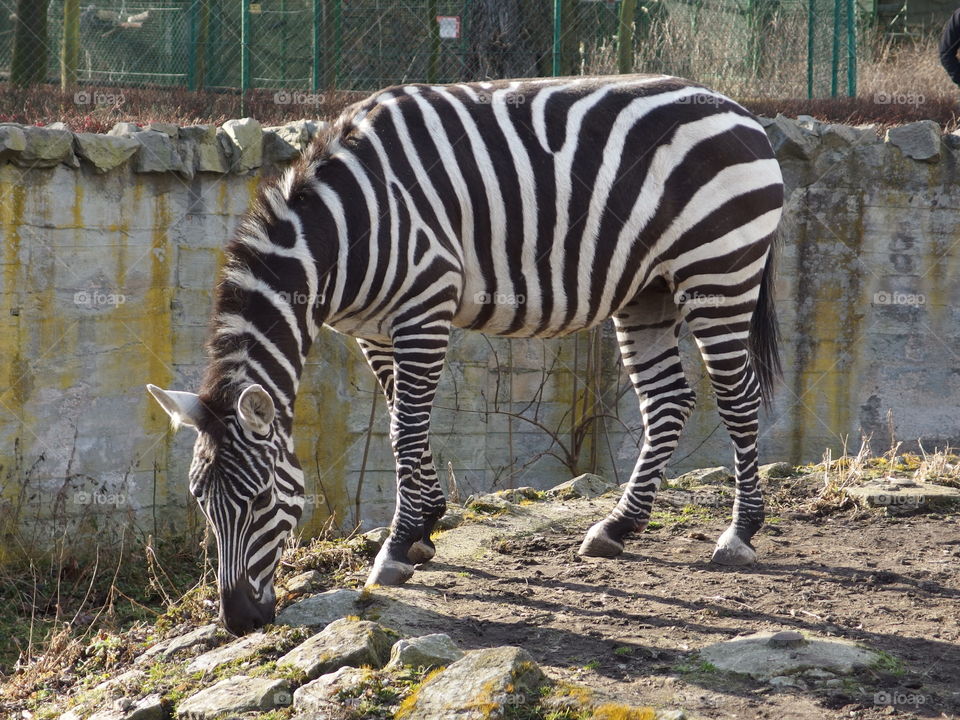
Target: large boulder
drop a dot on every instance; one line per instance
(426, 651)
(240, 649)
(918, 140)
(236, 694)
(246, 135)
(320, 610)
(345, 642)
(320, 695)
(46, 148)
(481, 685)
(104, 152)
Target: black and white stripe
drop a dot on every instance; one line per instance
(526, 208)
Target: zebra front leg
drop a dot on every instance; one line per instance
(418, 361)
(647, 330)
(380, 357)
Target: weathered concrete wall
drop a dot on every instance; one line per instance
(109, 255)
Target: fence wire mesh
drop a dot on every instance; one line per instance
(748, 48)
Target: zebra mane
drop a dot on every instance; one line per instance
(227, 348)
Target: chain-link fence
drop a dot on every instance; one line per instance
(749, 48)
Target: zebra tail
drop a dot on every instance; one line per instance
(765, 333)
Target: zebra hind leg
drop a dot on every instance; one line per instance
(418, 362)
(647, 330)
(433, 506)
(737, 387)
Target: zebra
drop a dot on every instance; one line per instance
(648, 199)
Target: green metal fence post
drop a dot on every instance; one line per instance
(625, 36)
(835, 50)
(851, 48)
(244, 54)
(811, 23)
(317, 15)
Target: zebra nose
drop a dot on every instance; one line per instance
(240, 612)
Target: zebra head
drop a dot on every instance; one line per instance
(249, 486)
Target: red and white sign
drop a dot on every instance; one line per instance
(449, 26)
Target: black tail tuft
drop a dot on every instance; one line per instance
(765, 333)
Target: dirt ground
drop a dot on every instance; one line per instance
(630, 626)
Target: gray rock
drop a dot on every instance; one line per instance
(918, 140)
(146, 708)
(124, 129)
(377, 537)
(203, 636)
(104, 152)
(789, 139)
(785, 681)
(900, 494)
(298, 134)
(808, 122)
(478, 686)
(835, 136)
(130, 677)
(157, 153)
(247, 136)
(776, 470)
(343, 642)
(753, 655)
(305, 582)
(787, 639)
(239, 649)
(168, 129)
(57, 126)
(276, 149)
(236, 695)
(426, 651)
(320, 610)
(671, 715)
(451, 519)
(46, 148)
(12, 141)
(582, 486)
(704, 476)
(321, 694)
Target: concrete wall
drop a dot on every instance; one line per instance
(107, 270)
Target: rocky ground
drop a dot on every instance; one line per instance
(850, 612)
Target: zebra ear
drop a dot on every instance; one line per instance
(255, 409)
(184, 408)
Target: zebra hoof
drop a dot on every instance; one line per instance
(389, 572)
(598, 543)
(733, 551)
(420, 552)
